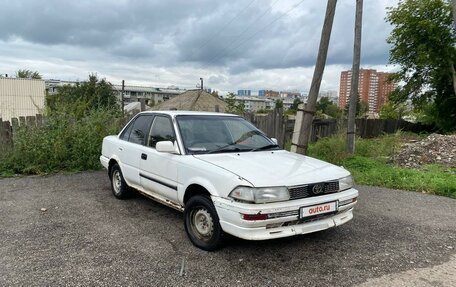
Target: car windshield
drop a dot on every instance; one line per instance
(219, 134)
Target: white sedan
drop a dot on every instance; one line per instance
(226, 176)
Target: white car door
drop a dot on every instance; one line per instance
(131, 144)
(158, 171)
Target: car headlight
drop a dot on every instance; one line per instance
(260, 194)
(346, 182)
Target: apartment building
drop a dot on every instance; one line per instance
(373, 88)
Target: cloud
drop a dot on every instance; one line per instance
(177, 41)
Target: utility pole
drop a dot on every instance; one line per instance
(453, 71)
(123, 92)
(453, 6)
(201, 79)
(351, 129)
(305, 114)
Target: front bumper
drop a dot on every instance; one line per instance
(104, 161)
(287, 224)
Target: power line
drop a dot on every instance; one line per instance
(225, 26)
(238, 36)
(213, 59)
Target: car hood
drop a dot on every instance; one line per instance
(275, 168)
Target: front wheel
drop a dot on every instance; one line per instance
(202, 223)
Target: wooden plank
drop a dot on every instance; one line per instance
(22, 121)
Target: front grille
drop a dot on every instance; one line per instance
(283, 214)
(314, 189)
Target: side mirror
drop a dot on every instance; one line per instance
(274, 140)
(167, 147)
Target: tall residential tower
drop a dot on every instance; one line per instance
(373, 89)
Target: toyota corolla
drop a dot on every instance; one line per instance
(226, 176)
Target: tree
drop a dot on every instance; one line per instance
(294, 107)
(78, 99)
(28, 74)
(323, 103)
(361, 108)
(327, 107)
(278, 104)
(392, 110)
(230, 103)
(295, 104)
(423, 46)
(240, 108)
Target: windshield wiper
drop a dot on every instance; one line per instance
(269, 146)
(226, 149)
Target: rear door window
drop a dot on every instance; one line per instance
(139, 129)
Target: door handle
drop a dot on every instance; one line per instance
(143, 156)
(121, 149)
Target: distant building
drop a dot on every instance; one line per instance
(271, 94)
(150, 94)
(21, 97)
(385, 88)
(261, 93)
(373, 88)
(253, 104)
(243, 93)
(290, 94)
(52, 85)
(331, 95)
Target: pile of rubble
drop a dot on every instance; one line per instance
(436, 148)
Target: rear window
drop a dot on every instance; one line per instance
(139, 129)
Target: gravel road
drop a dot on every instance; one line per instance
(87, 237)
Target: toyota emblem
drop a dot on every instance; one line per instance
(317, 188)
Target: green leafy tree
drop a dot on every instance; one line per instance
(423, 46)
(361, 108)
(295, 104)
(327, 107)
(240, 108)
(392, 110)
(230, 103)
(83, 97)
(294, 107)
(323, 103)
(278, 104)
(28, 74)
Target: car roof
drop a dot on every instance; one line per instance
(187, 113)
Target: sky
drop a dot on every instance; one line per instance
(236, 44)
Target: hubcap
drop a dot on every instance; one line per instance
(202, 224)
(116, 181)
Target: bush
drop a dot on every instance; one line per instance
(370, 164)
(63, 142)
(334, 149)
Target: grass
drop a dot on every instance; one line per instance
(63, 143)
(371, 165)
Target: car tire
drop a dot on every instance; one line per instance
(202, 223)
(119, 187)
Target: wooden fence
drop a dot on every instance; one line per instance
(7, 128)
(281, 127)
(274, 124)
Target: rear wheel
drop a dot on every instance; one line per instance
(202, 223)
(119, 187)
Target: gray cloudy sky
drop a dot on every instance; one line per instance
(237, 44)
